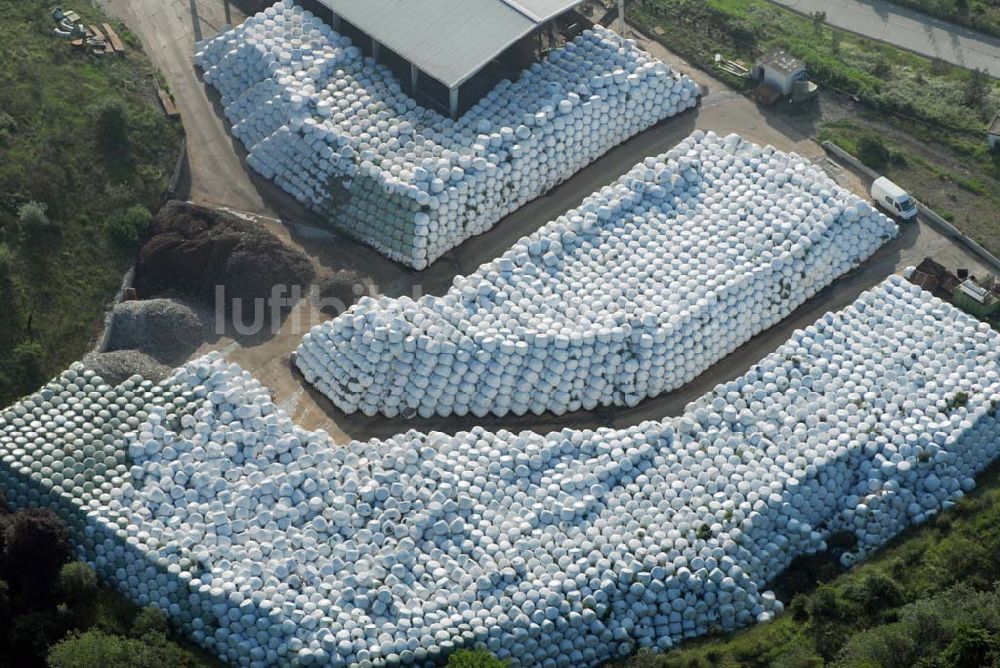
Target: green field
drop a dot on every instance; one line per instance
(56, 278)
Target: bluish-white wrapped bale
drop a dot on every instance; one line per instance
(336, 131)
(271, 545)
(650, 282)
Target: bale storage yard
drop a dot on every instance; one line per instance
(336, 131)
(650, 282)
(268, 544)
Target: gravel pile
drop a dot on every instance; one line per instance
(118, 366)
(165, 329)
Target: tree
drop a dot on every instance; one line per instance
(818, 19)
(36, 545)
(149, 621)
(77, 584)
(128, 227)
(112, 127)
(836, 39)
(976, 88)
(32, 216)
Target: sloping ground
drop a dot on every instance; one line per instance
(651, 281)
(56, 278)
(267, 544)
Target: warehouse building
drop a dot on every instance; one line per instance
(449, 54)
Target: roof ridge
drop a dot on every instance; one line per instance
(513, 4)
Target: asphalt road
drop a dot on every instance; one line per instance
(908, 29)
(218, 176)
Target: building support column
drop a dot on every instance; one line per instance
(334, 20)
(453, 106)
(376, 49)
(414, 78)
(621, 17)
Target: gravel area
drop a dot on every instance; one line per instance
(118, 366)
(165, 329)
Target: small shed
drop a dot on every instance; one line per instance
(993, 134)
(780, 70)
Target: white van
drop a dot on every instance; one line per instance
(893, 199)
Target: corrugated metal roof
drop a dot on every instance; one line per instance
(450, 40)
(543, 10)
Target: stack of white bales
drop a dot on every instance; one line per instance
(271, 546)
(646, 285)
(336, 131)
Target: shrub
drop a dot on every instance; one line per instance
(36, 545)
(876, 592)
(149, 621)
(474, 658)
(872, 152)
(112, 127)
(32, 216)
(77, 583)
(129, 227)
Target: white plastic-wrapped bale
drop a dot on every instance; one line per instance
(336, 131)
(271, 546)
(651, 281)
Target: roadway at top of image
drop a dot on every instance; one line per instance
(908, 29)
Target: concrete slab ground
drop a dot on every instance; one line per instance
(219, 177)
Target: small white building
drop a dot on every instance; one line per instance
(993, 135)
(780, 70)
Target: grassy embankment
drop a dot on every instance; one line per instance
(930, 115)
(85, 137)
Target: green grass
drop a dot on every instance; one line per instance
(915, 603)
(56, 288)
(982, 15)
(930, 181)
(880, 75)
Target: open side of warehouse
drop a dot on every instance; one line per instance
(447, 55)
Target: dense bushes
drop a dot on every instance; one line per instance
(53, 610)
(97, 649)
(35, 546)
